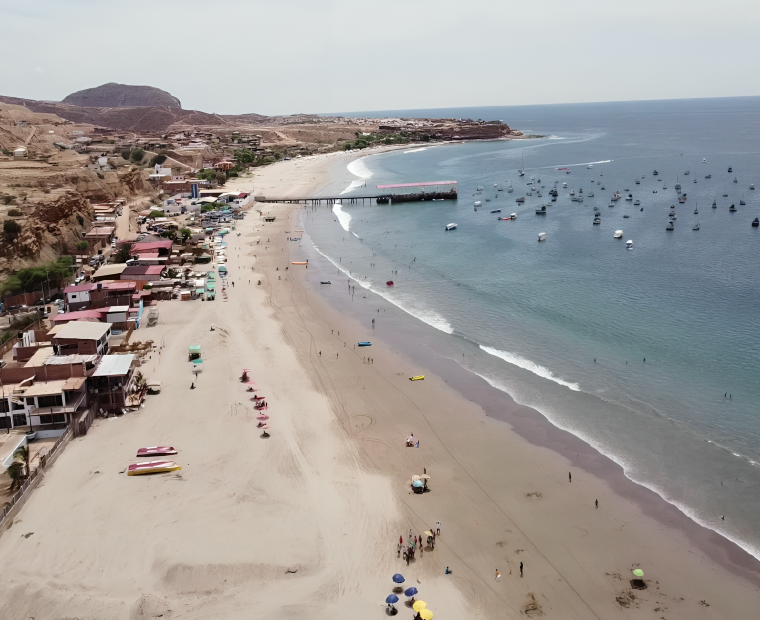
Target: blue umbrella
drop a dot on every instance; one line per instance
(398, 578)
(392, 598)
(411, 591)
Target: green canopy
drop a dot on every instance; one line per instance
(198, 361)
(194, 348)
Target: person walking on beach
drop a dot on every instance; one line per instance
(596, 503)
(498, 575)
(521, 569)
(438, 528)
(569, 476)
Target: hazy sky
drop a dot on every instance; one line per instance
(287, 56)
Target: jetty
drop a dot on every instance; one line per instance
(401, 192)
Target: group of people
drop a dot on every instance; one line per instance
(411, 442)
(410, 549)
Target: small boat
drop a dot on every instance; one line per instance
(541, 211)
(725, 194)
(696, 211)
(625, 217)
(752, 186)
(156, 451)
(642, 208)
(389, 283)
(696, 226)
(735, 179)
(503, 219)
(510, 189)
(672, 214)
(687, 173)
(612, 204)
(756, 222)
(742, 203)
(519, 199)
(616, 196)
(480, 188)
(496, 185)
(678, 185)
(636, 203)
(564, 185)
(618, 234)
(496, 211)
(572, 192)
(514, 216)
(576, 199)
(708, 176)
(670, 225)
(629, 244)
(596, 208)
(590, 166)
(152, 467)
(714, 205)
(730, 169)
(655, 173)
(325, 282)
(681, 199)
(364, 344)
(704, 160)
(477, 203)
(597, 220)
(451, 226)
(417, 378)
(695, 180)
(542, 236)
(732, 209)
(590, 194)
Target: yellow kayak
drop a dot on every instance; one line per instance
(417, 378)
(152, 467)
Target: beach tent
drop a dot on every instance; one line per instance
(194, 351)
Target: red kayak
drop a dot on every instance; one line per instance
(156, 451)
(258, 398)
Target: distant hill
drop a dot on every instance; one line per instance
(114, 95)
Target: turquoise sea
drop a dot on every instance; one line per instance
(633, 350)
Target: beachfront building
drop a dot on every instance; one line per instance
(82, 337)
(111, 383)
(51, 404)
(99, 294)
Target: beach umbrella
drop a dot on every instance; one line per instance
(261, 416)
(414, 478)
(392, 598)
(411, 591)
(428, 533)
(426, 614)
(398, 578)
(419, 605)
(638, 572)
(418, 484)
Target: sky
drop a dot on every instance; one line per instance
(320, 56)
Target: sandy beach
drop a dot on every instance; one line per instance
(306, 523)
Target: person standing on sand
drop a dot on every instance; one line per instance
(596, 503)
(438, 528)
(498, 574)
(521, 569)
(569, 476)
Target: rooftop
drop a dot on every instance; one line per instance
(84, 330)
(114, 365)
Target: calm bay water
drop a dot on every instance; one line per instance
(565, 325)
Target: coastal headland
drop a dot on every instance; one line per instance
(306, 522)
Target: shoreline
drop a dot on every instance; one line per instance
(306, 522)
(717, 543)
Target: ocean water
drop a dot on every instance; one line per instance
(631, 350)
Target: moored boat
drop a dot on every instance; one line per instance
(618, 234)
(542, 236)
(156, 451)
(451, 226)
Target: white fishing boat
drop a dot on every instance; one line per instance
(590, 166)
(480, 188)
(629, 244)
(636, 203)
(564, 185)
(477, 203)
(696, 226)
(590, 194)
(618, 234)
(752, 186)
(451, 226)
(670, 225)
(542, 236)
(572, 192)
(514, 216)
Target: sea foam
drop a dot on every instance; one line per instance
(343, 217)
(529, 366)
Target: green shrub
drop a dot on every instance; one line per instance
(348, 146)
(156, 213)
(137, 155)
(81, 245)
(125, 154)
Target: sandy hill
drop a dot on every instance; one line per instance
(114, 95)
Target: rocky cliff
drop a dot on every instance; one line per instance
(114, 95)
